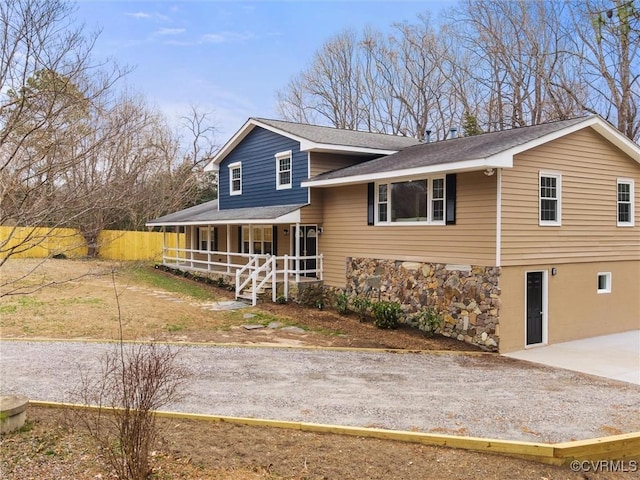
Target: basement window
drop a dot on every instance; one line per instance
(604, 282)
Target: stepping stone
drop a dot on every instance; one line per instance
(293, 330)
(248, 315)
(252, 327)
(274, 325)
(229, 305)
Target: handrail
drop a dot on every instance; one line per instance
(249, 265)
(270, 267)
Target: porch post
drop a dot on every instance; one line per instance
(297, 243)
(209, 245)
(176, 229)
(193, 231)
(228, 248)
(163, 242)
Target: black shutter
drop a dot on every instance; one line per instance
(240, 239)
(451, 199)
(371, 196)
(274, 241)
(214, 232)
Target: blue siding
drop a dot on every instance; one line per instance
(257, 154)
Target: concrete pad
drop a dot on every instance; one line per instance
(615, 356)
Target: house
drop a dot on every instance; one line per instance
(520, 238)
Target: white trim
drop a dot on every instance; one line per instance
(305, 145)
(453, 167)
(309, 176)
(232, 167)
(607, 288)
(309, 146)
(499, 218)
(558, 221)
(631, 183)
(284, 156)
(429, 203)
(545, 308)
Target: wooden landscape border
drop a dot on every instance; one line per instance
(613, 447)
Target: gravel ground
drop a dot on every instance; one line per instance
(485, 396)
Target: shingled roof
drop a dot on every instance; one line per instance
(458, 150)
(336, 136)
(317, 138)
(208, 214)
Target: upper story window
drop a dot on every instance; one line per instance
(550, 198)
(413, 201)
(235, 179)
(625, 202)
(283, 170)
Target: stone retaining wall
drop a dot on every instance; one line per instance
(467, 296)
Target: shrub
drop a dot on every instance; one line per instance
(282, 300)
(341, 302)
(428, 320)
(386, 314)
(362, 305)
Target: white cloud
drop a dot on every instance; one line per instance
(226, 37)
(148, 16)
(170, 31)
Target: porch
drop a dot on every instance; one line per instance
(256, 249)
(256, 269)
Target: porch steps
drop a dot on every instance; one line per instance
(262, 293)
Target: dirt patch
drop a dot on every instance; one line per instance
(80, 303)
(191, 450)
(51, 448)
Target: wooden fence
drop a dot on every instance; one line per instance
(40, 242)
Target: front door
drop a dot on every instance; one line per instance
(535, 311)
(308, 241)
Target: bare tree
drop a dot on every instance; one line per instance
(606, 53)
(47, 82)
(517, 54)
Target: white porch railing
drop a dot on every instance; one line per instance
(251, 271)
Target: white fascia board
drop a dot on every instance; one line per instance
(467, 165)
(292, 217)
(309, 146)
(233, 142)
(598, 124)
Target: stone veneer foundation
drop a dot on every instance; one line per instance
(467, 296)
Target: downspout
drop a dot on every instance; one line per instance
(499, 217)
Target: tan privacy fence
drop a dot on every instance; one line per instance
(40, 242)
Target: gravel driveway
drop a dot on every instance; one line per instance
(485, 396)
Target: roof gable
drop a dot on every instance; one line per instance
(489, 150)
(319, 139)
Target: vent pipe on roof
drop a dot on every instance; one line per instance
(427, 136)
(453, 132)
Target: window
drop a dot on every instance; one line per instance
(625, 202)
(383, 201)
(437, 200)
(408, 201)
(604, 282)
(283, 170)
(206, 239)
(550, 194)
(262, 239)
(235, 179)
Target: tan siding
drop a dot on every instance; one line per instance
(589, 166)
(575, 308)
(325, 162)
(470, 241)
(313, 212)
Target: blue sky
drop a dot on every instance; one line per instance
(229, 57)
